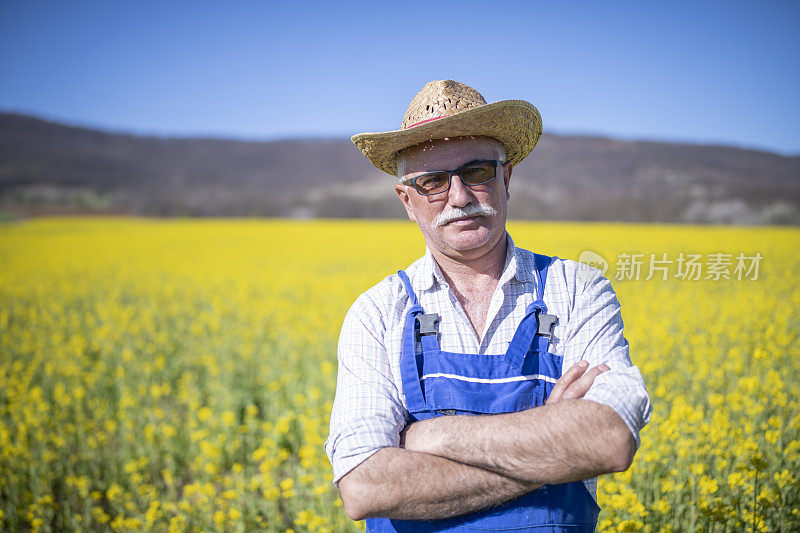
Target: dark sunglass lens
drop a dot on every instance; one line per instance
(432, 182)
(478, 173)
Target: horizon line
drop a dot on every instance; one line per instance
(299, 136)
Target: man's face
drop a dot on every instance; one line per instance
(467, 237)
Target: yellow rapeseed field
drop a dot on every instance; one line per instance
(177, 375)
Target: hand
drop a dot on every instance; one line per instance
(575, 382)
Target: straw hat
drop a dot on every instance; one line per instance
(447, 108)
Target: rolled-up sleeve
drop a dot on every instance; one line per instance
(367, 413)
(595, 333)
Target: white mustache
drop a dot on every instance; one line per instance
(469, 210)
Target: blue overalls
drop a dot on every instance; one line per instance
(438, 383)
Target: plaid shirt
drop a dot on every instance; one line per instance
(369, 409)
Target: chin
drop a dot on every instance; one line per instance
(466, 240)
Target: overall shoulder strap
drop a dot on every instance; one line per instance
(541, 262)
(409, 366)
(529, 327)
(407, 284)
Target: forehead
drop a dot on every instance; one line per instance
(448, 153)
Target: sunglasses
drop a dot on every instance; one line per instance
(438, 181)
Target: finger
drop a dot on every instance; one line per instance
(574, 372)
(581, 385)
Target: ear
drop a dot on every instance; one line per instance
(402, 193)
(507, 169)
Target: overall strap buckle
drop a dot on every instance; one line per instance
(427, 324)
(546, 324)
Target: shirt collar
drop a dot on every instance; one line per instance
(516, 265)
(428, 274)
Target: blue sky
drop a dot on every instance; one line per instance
(708, 72)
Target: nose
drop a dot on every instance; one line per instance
(459, 194)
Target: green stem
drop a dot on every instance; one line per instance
(755, 502)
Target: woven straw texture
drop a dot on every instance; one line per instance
(447, 108)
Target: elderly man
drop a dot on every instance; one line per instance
(451, 408)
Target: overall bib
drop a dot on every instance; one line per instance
(439, 383)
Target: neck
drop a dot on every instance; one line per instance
(473, 273)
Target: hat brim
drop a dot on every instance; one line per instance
(515, 123)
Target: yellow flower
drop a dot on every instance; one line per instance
(708, 486)
(735, 479)
(259, 454)
(113, 492)
(228, 418)
(99, 515)
(784, 478)
(662, 506)
(203, 414)
(697, 469)
(630, 525)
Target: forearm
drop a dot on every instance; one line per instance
(567, 441)
(404, 484)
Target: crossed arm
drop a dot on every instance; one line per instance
(452, 465)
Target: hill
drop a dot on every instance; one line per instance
(48, 167)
